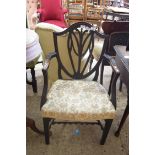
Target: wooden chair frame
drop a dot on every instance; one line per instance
(78, 73)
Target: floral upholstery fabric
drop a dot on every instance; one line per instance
(78, 100)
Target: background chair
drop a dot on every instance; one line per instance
(31, 8)
(119, 35)
(80, 99)
(33, 51)
(51, 12)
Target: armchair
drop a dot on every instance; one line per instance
(81, 99)
(51, 12)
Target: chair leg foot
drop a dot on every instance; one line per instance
(117, 134)
(108, 124)
(46, 129)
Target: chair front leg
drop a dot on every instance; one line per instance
(46, 129)
(108, 124)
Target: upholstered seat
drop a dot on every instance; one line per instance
(78, 100)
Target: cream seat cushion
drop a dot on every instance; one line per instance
(78, 100)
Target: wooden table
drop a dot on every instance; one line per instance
(122, 62)
(33, 50)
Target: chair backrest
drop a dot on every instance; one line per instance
(119, 34)
(51, 10)
(117, 38)
(80, 41)
(31, 8)
(45, 32)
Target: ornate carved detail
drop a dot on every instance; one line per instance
(80, 44)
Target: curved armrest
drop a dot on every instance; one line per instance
(41, 13)
(114, 66)
(112, 63)
(114, 77)
(47, 60)
(35, 18)
(45, 75)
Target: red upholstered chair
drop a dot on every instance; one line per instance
(51, 12)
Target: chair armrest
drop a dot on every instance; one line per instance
(48, 59)
(114, 78)
(35, 18)
(114, 66)
(41, 13)
(45, 76)
(112, 63)
(64, 10)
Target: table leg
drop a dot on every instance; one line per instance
(125, 115)
(31, 123)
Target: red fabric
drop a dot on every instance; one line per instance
(64, 10)
(51, 10)
(42, 16)
(57, 22)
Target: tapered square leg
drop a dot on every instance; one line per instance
(46, 129)
(108, 124)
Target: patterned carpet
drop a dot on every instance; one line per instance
(64, 141)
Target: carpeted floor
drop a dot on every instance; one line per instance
(64, 141)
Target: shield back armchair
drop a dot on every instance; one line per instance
(81, 98)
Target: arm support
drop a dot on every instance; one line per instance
(45, 75)
(114, 77)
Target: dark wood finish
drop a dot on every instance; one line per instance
(123, 64)
(34, 81)
(110, 27)
(46, 129)
(115, 26)
(78, 35)
(31, 123)
(119, 35)
(108, 124)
